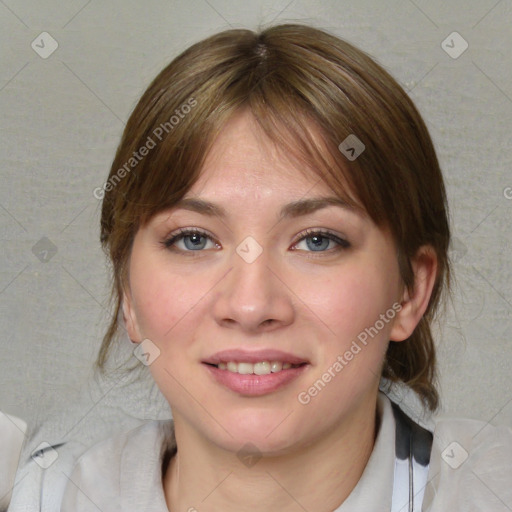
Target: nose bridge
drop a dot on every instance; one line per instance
(251, 294)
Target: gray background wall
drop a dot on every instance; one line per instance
(62, 117)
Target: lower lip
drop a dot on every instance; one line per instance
(255, 385)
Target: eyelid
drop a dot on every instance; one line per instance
(315, 231)
(342, 243)
(341, 240)
(171, 238)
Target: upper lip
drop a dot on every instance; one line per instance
(253, 356)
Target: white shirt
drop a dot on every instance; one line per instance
(470, 470)
(12, 436)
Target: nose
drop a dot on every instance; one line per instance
(253, 296)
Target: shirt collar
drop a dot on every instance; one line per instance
(374, 491)
(141, 477)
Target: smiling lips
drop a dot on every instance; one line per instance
(254, 373)
(260, 368)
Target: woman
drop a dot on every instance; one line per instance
(277, 224)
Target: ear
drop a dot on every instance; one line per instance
(130, 317)
(415, 302)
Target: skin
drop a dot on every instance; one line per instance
(193, 303)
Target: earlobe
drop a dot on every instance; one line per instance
(415, 301)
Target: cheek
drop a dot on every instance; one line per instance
(355, 338)
(355, 297)
(164, 300)
(351, 301)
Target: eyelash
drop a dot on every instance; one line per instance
(308, 233)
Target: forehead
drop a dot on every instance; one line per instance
(248, 172)
(243, 159)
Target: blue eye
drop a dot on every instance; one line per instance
(320, 241)
(195, 240)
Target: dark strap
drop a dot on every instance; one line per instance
(412, 443)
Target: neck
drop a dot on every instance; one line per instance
(320, 476)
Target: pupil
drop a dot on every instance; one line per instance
(319, 242)
(193, 241)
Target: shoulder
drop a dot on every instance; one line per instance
(470, 468)
(112, 470)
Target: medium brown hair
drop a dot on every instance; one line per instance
(299, 82)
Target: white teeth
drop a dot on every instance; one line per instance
(260, 368)
(245, 368)
(276, 366)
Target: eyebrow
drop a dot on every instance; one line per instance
(290, 210)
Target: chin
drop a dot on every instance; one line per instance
(266, 431)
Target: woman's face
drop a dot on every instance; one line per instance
(271, 278)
